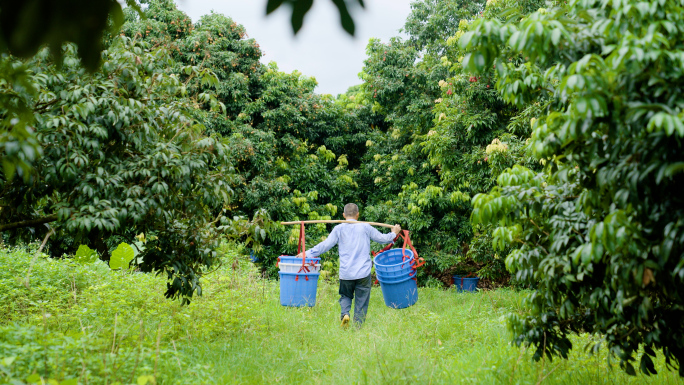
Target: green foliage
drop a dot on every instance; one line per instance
(85, 254)
(330, 270)
(405, 189)
(432, 22)
(599, 229)
(121, 257)
(292, 150)
(489, 263)
(408, 145)
(17, 138)
(252, 234)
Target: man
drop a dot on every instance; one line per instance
(355, 263)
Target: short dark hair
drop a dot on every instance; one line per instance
(351, 209)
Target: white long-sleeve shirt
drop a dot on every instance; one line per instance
(354, 246)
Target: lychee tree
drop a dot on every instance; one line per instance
(123, 155)
(600, 230)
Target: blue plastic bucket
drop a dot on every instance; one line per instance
(293, 259)
(465, 284)
(393, 260)
(400, 294)
(395, 276)
(296, 290)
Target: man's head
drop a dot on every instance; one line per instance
(351, 211)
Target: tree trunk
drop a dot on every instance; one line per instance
(28, 223)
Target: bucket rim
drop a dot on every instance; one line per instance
(409, 254)
(395, 282)
(295, 264)
(410, 273)
(288, 273)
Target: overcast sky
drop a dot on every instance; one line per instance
(321, 48)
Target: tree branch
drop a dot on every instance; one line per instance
(40, 107)
(39, 252)
(29, 223)
(535, 225)
(42, 245)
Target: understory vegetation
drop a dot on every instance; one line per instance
(81, 323)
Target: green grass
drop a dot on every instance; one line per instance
(93, 325)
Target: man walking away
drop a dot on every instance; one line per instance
(355, 263)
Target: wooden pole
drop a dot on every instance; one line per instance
(338, 221)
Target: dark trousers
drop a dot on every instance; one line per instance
(362, 289)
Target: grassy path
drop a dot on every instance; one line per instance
(447, 337)
(87, 324)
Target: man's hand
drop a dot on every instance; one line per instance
(300, 255)
(396, 229)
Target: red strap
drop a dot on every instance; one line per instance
(386, 247)
(301, 249)
(306, 269)
(302, 240)
(467, 276)
(417, 261)
(407, 240)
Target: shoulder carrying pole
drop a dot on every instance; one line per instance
(337, 221)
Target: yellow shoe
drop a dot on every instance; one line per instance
(345, 321)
